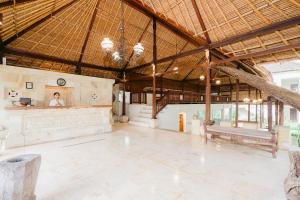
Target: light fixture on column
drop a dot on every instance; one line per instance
(246, 100)
(175, 68)
(259, 100)
(138, 50)
(254, 101)
(202, 77)
(218, 82)
(107, 45)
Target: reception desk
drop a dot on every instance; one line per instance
(34, 125)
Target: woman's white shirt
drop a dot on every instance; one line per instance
(57, 102)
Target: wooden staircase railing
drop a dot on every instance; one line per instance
(162, 102)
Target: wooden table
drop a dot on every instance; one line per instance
(243, 135)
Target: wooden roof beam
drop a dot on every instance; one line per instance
(168, 23)
(11, 2)
(139, 40)
(22, 32)
(261, 31)
(78, 67)
(19, 52)
(197, 11)
(257, 54)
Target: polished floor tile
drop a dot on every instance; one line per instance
(134, 163)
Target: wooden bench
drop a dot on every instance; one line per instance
(243, 136)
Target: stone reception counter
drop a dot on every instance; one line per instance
(33, 125)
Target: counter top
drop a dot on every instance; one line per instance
(54, 107)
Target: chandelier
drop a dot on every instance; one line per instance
(119, 55)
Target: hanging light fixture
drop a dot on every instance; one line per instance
(218, 82)
(138, 50)
(107, 45)
(202, 77)
(116, 56)
(259, 100)
(254, 101)
(175, 68)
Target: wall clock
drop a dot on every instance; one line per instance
(61, 82)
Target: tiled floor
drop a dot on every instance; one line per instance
(135, 163)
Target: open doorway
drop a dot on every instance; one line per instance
(182, 122)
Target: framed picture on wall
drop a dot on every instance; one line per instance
(29, 85)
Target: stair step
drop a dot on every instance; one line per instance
(141, 124)
(141, 119)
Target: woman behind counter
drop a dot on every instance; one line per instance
(56, 101)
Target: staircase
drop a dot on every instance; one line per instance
(143, 118)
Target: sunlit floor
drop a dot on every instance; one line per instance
(136, 163)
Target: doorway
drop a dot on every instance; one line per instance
(182, 122)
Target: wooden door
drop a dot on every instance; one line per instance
(65, 94)
(181, 122)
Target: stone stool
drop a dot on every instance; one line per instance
(19, 176)
(3, 137)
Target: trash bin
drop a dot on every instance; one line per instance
(18, 177)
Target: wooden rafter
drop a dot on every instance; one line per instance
(78, 67)
(258, 32)
(260, 53)
(199, 17)
(18, 52)
(170, 24)
(139, 40)
(22, 32)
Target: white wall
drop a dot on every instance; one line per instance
(83, 86)
(169, 117)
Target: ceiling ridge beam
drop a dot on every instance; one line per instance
(19, 52)
(200, 19)
(78, 67)
(22, 32)
(261, 31)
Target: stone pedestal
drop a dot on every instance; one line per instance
(123, 119)
(18, 177)
(3, 137)
(196, 127)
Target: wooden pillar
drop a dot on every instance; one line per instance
(249, 94)
(124, 100)
(256, 97)
(276, 112)
(262, 115)
(1, 40)
(281, 114)
(207, 88)
(269, 113)
(237, 98)
(154, 70)
(161, 86)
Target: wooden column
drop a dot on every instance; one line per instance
(161, 86)
(207, 88)
(256, 97)
(262, 115)
(124, 100)
(269, 113)
(154, 70)
(281, 114)
(249, 94)
(276, 112)
(1, 40)
(237, 98)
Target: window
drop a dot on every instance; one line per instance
(293, 114)
(294, 87)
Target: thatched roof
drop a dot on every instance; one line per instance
(60, 29)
